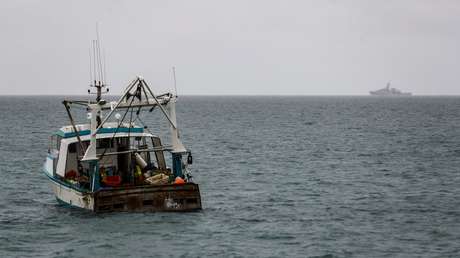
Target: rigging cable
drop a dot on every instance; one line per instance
(143, 124)
(116, 130)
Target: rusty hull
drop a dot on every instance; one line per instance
(149, 198)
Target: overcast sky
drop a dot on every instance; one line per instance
(234, 47)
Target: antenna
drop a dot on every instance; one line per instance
(94, 62)
(90, 67)
(174, 77)
(97, 71)
(104, 71)
(98, 49)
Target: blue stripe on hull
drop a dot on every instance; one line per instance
(62, 183)
(70, 188)
(102, 130)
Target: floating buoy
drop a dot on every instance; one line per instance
(179, 181)
(140, 161)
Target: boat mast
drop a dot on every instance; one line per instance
(95, 108)
(95, 114)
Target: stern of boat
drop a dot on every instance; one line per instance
(149, 198)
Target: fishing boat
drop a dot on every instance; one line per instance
(115, 162)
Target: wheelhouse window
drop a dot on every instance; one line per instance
(104, 143)
(73, 148)
(54, 143)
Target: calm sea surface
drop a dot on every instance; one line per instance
(279, 177)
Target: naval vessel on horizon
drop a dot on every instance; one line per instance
(387, 91)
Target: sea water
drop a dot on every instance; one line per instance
(279, 177)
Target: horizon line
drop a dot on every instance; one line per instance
(245, 95)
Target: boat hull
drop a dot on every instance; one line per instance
(67, 195)
(404, 94)
(146, 198)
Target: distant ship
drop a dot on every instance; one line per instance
(387, 91)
